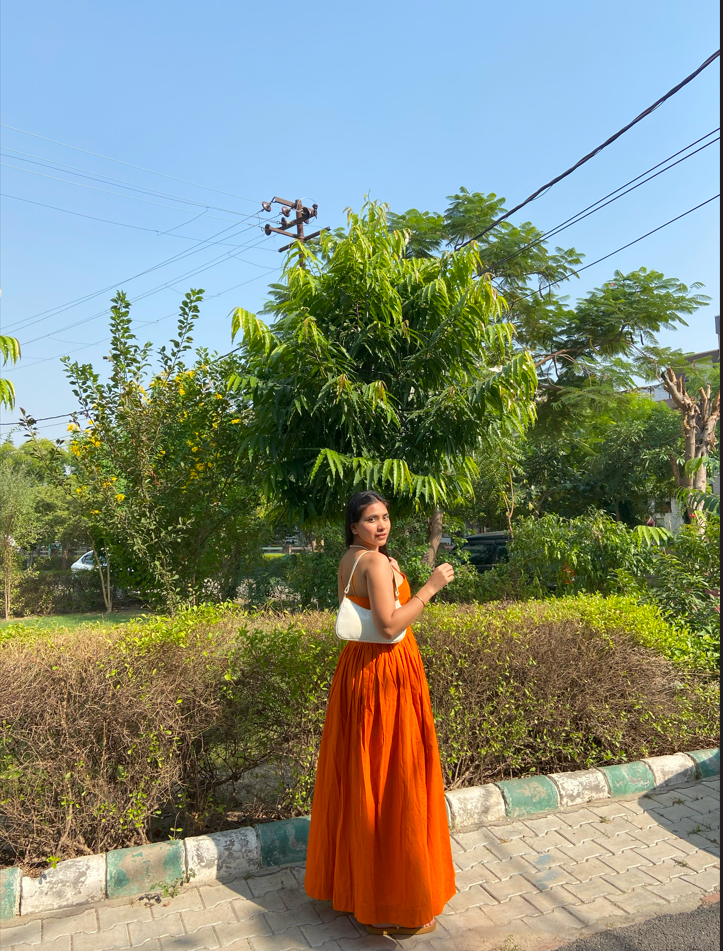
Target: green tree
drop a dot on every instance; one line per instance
(19, 525)
(380, 369)
(9, 353)
(155, 471)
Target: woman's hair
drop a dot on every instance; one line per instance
(355, 509)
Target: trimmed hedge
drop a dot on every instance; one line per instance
(111, 737)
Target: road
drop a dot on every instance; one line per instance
(697, 930)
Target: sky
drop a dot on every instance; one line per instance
(405, 102)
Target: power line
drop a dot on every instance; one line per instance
(120, 224)
(109, 180)
(596, 151)
(129, 165)
(608, 199)
(105, 191)
(225, 256)
(622, 248)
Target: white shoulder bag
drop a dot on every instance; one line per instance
(354, 623)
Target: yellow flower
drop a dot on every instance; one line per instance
(119, 497)
(219, 396)
(73, 427)
(235, 421)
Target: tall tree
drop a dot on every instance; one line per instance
(380, 369)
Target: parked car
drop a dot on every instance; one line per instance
(486, 550)
(86, 562)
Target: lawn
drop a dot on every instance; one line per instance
(71, 621)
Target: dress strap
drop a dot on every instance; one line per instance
(353, 569)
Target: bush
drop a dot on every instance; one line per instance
(213, 718)
(41, 593)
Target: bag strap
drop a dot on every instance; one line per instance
(353, 569)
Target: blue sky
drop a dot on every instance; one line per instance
(325, 101)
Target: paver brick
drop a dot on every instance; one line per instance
(368, 943)
(676, 891)
(547, 860)
(509, 910)
(664, 872)
(551, 840)
(580, 835)
(560, 875)
(573, 818)
(651, 835)
(319, 935)
(643, 821)
(545, 902)
(202, 940)
(618, 826)
(84, 923)
(708, 880)
(588, 850)
(624, 861)
(247, 908)
(471, 840)
(634, 878)
(215, 894)
(662, 851)
(547, 824)
(188, 899)
(508, 850)
(280, 942)
(194, 919)
(263, 884)
(251, 928)
(517, 885)
(61, 943)
(280, 921)
(471, 898)
(508, 831)
(596, 911)
(585, 871)
(477, 875)
(612, 810)
(703, 841)
(472, 918)
(504, 870)
(595, 888)
(28, 933)
(620, 843)
(556, 922)
(240, 944)
(141, 931)
(700, 861)
(292, 897)
(115, 937)
(465, 860)
(642, 899)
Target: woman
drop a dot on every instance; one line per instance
(379, 842)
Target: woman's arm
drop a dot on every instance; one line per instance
(388, 619)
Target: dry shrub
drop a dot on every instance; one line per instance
(211, 719)
(517, 692)
(95, 742)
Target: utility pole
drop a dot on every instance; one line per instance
(302, 216)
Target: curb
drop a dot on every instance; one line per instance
(224, 856)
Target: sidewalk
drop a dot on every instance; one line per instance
(532, 884)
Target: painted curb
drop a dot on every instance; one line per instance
(468, 808)
(529, 796)
(224, 856)
(134, 871)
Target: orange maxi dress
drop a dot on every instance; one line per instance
(379, 843)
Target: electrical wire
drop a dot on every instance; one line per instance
(109, 180)
(129, 165)
(622, 248)
(608, 200)
(597, 150)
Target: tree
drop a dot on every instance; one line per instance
(380, 369)
(700, 417)
(18, 523)
(155, 471)
(9, 353)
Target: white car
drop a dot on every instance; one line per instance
(86, 562)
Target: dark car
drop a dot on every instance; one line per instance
(485, 551)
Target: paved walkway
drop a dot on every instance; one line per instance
(532, 884)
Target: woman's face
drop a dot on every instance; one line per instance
(373, 526)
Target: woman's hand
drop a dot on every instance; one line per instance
(440, 577)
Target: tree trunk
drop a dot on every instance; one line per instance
(700, 417)
(105, 581)
(434, 537)
(64, 559)
(7, 567)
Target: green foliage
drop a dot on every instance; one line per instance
(379, 370)
(210, 718)
(9, 353)
(155, 476)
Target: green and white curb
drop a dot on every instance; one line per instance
(225, 856)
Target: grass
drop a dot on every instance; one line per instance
(70, 622)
